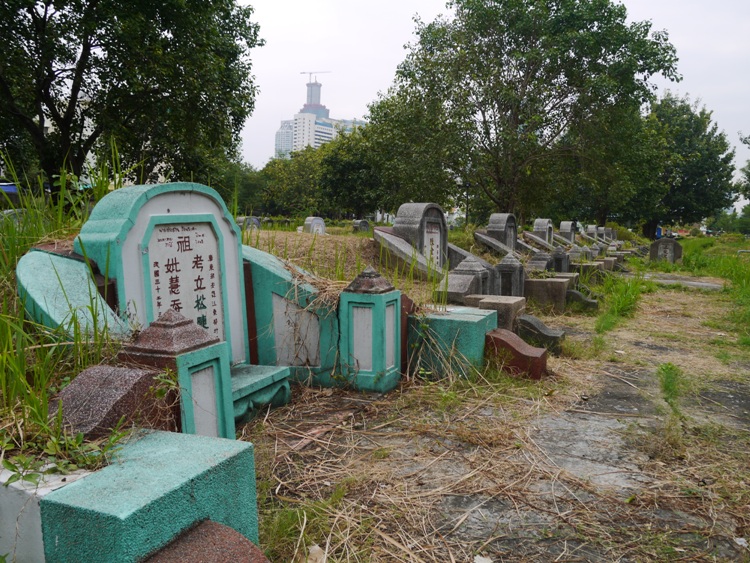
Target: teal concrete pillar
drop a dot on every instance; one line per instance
(370, 328)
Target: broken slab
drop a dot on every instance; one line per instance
(534, 331)
(517, 356)
(508, 308)
(99, 397)
(577, 299)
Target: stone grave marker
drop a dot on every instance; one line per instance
(424, 226)
(315, 226)
(544, 230)
(667, 249)
(511, 273)
(568, 230)
(171, 246)
(502, 227)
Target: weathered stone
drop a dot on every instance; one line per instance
(456, 255)
(361, 226)
(516, 356)
(535, 240)
(540, 262)
(572, 276)
(469, 277)
(568, 230)
(502, 227)
(508, 308)
(533, 330)
(369, 281)
(423, 226)
(511, 273)
(100, 396)
(209, 542)
(248, 223)
(314, 225)
(492, 244)
(560, 260)
(575, 254)
(667, 249)
(549, 292)
(543, 229)
(577, 299)
(525, 248)
(159, 344)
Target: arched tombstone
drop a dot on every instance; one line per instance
(502, 227)
(423, 225)
(248, 223)
(315, 226)
(667, 249)
(591, 231)
(172, 246)
(361, 226)
(544, 230)
(568, 230)
(601, 234)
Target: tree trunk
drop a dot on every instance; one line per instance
(649, 229)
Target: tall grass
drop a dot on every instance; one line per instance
(621, 300)
(36, 362)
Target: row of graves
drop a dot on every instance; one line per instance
(163, 268)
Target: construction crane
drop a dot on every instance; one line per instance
(310, 73)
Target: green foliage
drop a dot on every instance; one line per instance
(620, 300)
(696, 179)
(170, 81)
(484, 78)
(672, 381)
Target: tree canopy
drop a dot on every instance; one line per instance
(506, 79)
(170, 81)
(697, 165)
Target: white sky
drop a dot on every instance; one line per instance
(361, 42)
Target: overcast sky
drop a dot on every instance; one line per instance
(360, 43)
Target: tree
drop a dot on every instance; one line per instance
(417, 148)
(513, 76)
(744, 186)
(696, 179)
(613, 171)
(169, 80)
(292, 185)
(350, 181)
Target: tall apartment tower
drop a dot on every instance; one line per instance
(311, 126)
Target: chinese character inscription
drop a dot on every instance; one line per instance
(186, 274)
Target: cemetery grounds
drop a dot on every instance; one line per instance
(636, 448)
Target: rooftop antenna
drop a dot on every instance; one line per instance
(309, 74)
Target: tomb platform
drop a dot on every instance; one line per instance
(508, 307)
(449, 340)
(158, 485)
(547, 292)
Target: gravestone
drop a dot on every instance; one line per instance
(568, 230)
(667, 249)
(468, 278)
(502, 227)
(541, 261)
(248, 223)
(361, 226)
(601, 234)
(171, 246)
(544, 230)
(560, 260)
(423, 225)
(575, 253)
(315, 226)
(511, 273)
(591, 231)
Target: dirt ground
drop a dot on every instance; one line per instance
(594, 463)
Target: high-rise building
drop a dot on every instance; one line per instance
(311, 126)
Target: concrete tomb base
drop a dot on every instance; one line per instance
(547, 292)
(449, 340)
(508, 308)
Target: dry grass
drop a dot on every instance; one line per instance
(446, 470)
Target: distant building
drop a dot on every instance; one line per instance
(311, 127)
